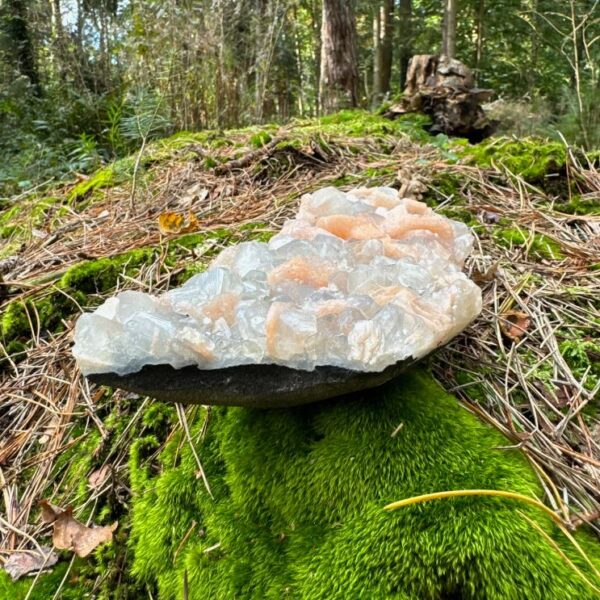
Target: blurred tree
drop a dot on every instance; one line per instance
(18, 44)
(338, 87)
(449, 28)
(383, 43)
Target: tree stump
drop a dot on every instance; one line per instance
(444, 88)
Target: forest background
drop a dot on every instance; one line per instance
(83, 82)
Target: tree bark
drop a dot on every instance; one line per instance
(338, 86)
(406, 38)
(449, 28)
(383, 32)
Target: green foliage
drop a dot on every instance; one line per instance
(146, 117)
(298, 506)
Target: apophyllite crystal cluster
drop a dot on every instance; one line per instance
(360, 280)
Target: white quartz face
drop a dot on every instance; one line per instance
(359, 280)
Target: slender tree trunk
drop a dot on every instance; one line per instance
(406, 38)
(479, 15)
(383, 38)
(387, 45)
(338, 86)
(449, 28)
(57, 40)
(377, 57)
(299, 63)
(315, 24)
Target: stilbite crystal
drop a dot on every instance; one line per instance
(359, 280)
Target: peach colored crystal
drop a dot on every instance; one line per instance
(360, 280)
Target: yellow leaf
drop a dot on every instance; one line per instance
(170, 222)
(192, 223)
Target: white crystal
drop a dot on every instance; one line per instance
(358, 280)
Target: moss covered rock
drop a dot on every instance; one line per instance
(298, 506)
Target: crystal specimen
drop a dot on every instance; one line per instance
(359, 280)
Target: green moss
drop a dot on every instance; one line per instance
(209, 162)
(360, 123)
(100, 179)
(531, 158)
(581, 206)
(583, 358)
(538, 244)
(298, 506)
(7, 226)
(102, 274)
(260, 139)
(442, 185)
(292, 145)
(17, 320)
(44, 588)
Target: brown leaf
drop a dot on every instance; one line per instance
(97, 479)
(49, 512)
(514, 324)
(21, 563)
(70, 534)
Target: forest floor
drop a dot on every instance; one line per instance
(529, 365)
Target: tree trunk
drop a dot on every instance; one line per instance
(57, 41)
(406, 38)
(479, 43)
(383, 33)
(449, 29)
(338, 87)
(17, 30)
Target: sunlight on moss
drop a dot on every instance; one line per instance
(298, 506)
(531, 158)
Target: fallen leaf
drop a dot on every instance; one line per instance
(70, 534)
(514, 324)
(97, 479)
(488, 275)
(21, 563)
(171, 222)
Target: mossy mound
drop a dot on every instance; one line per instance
(532, 158)
(298, 506)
